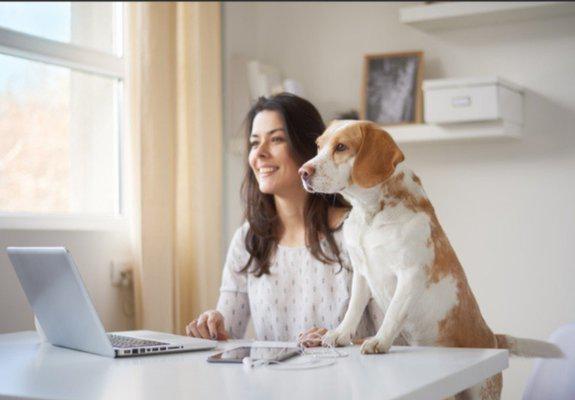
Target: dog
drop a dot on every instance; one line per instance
(399, 253)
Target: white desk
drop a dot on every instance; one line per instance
(29, 369)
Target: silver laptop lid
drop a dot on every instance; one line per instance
(59, 298)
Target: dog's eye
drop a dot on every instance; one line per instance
(340, 147)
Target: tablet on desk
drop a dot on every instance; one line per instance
(270, 354)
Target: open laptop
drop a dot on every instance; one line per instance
(63, 307)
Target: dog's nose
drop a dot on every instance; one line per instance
(306, 171)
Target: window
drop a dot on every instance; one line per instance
(61, 91)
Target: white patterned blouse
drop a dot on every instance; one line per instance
(300, 292)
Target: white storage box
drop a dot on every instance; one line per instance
(472, 99)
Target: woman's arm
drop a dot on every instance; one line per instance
(231, 315)
(234, 303)
(235, 307)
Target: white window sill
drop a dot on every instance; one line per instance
(22, 221)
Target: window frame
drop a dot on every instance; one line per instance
(83, 59)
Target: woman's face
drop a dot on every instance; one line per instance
(270, 158)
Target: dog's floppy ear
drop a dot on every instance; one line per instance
(376, 158)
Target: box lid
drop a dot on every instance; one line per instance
(433, 84)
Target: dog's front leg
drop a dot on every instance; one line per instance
(410, 286)
(360, 295)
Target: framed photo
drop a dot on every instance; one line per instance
(392, 88)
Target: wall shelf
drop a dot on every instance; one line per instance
(418, 133)
(422, 133)
(451, 15)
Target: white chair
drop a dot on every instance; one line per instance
(554, 378)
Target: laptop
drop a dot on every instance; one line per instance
(67, 316)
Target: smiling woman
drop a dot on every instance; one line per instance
(286, 266)
(283, 130)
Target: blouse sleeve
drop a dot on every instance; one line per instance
(233, 279)
(233, 303)
(235, 307)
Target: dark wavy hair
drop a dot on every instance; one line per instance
(303, 124)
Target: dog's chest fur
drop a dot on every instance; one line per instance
(380, 248)
(381, 245)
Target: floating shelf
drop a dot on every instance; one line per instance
(450, 15)
(417, 133)
(421, 133)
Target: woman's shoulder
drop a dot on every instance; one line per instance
(239, 236)
(237, 253)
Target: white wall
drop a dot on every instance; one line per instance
(507, 207)
(239, 36)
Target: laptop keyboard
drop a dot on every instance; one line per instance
(124, 342)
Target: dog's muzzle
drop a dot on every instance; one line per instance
(306, 172)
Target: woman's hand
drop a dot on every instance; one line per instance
(209, 325)
(312, 337)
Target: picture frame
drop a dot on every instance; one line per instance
(391, 90)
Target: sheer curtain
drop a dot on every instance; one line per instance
(175, 108)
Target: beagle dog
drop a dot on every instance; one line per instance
(399, 253)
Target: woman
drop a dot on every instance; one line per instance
(285, 266)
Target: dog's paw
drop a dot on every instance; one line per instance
(336, 338)
(375, 346)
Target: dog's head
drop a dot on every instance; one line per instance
(350, 152)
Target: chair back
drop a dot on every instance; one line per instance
(554, 378)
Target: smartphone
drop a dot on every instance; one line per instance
(236, 355)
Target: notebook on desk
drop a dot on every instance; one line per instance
(61, 303)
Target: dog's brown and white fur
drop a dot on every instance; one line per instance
(399, 252)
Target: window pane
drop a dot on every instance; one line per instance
(58, 140)
(89, 24)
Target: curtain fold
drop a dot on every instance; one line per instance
(176, 125)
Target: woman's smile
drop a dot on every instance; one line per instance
(266, 171)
